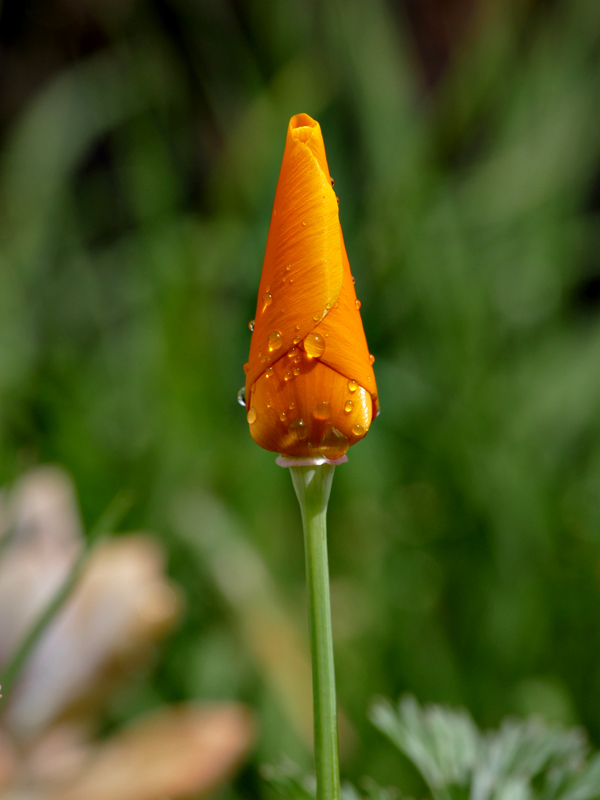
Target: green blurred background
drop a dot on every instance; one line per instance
(140, 147)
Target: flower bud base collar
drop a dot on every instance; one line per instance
(286, 461)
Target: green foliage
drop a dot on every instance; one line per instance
(288, 782)
(522, 760)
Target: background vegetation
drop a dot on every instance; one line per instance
(141, 143)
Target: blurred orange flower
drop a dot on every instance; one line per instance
(310, 386)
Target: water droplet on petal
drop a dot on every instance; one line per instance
(358, 430)
(358, 304)
(269, 403)
(292, 352)
(246, 366)
(352, 386)
(251, 324)
(269, 372)
(241, 396)
(322, 411)
(292, 279)
(314, 344)
(296, 371)
(287, 376)
(353, 279)
(332, 182)
(298, 358)
(296, 340)
(316, 317)
(282, 416)
(267, 300)
(252, 416)
(304, 222)
(275, 341)
(298, 326)
(263, 359)
(327, 306)
(333, 444)
(371, 358)
(336, 304)
(292, 405)
(348, 406)
(288, 268)
(298, 429)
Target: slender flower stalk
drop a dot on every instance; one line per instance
(313, 485)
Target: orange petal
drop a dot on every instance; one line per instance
(346, 349)
(303, 408)
(302, 270)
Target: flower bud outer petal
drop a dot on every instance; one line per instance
(303, 268)
(333, 417)
(346, 349)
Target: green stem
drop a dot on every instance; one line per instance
(313, 485)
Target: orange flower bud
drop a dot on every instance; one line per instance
(310, 387)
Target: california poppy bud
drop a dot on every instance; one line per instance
(310, 386)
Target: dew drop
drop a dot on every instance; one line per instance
(314, 344)
(338, 199)
(298, 358)
(296, 371)
(269, 403)
(327, 306)
(282, 416)
(269, 372)
(287, 376)
(288, 268)
(352, 386)
(263, 359)
(267, 300)
(252, 416)
(348, 406)
(241, 396)
(275, 341)
(298, 429)
(333, 444)
(269, 288)
(246, 366)
(251, 324)
(292, 406)
(358, 304)
(322, 411)
(292, 279)
(304, 222)
(298, 326)
(336, 304)
(358, 430)
(292, 352)
(296, 340)
(316, 317)
(372, 358)
(332, 182)
(353, 279)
